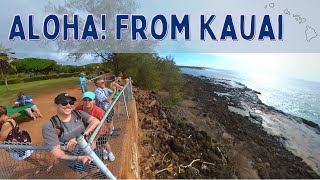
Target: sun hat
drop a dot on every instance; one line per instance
(89, 94)
(63, 97)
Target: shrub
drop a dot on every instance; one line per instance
(149, 71)
(64, 75)
(35, 78)
(53, 76)
(15, 81)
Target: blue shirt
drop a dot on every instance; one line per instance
(101, 96)
(83, 81)
(19, 100)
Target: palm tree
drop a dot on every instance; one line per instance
(5, 63)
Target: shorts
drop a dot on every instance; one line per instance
(110, 116)
(21, 155)
(103, 139)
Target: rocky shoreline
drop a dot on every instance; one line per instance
(204, 138)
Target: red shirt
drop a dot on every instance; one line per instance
(95, 111)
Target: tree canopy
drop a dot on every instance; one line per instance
(35, 65)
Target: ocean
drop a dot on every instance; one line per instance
(293, 96)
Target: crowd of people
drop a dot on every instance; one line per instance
(60, 132)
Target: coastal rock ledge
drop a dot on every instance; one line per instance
(202, 138)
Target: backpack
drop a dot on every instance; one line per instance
(57, 124)
(18, 137)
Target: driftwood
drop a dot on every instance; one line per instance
(169, 169)
(164, 157)
(190, 165)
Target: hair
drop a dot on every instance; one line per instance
(3, 110)
(124, 76)
(97, 79)
(20, 94)
(118, 74)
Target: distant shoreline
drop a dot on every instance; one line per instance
(193, 67)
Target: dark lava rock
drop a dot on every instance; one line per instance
(310, 123)
(256, 117)
(175, 145)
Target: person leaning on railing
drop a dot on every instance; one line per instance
(114, 84)
(88, 106)
(83, 82)
(125, 79)
(71, 127)
(104, 97)
(119, 78)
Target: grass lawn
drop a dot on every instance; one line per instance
(34, 88)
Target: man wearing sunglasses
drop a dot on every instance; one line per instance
(104, 98)
(71, 127)
(88, 106)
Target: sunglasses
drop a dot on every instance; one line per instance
(67, 102)
(101, 82)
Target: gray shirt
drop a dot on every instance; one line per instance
(71, 129)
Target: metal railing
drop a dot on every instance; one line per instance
(28, 161)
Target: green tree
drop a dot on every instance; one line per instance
(101, 50)
(35, 65)
(5, 63)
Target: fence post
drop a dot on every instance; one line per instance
(125, 105)
(131, 88)
(96, 160)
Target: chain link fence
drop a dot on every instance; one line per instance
(26, 161)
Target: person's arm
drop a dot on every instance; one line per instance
(58, 153)
(29, 100)
(118, 85)
(90, 120)
(6, 128)
(92, 124)
(109, 99)
(16, 103)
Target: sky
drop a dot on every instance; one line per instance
(300, 66)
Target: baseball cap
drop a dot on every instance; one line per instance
(63, 97)
(89, 94)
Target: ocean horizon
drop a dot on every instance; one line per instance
(293, 96)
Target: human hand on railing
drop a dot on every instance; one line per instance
(85, 159)
(71, 144)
